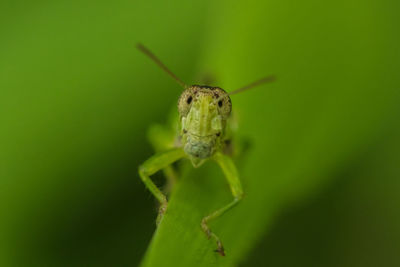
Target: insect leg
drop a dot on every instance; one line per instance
(162, 138)
(153, 165)
(232, 177)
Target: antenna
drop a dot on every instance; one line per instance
(267, 79)
(153, 57)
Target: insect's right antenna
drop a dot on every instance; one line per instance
(267, 79)
(153, 57)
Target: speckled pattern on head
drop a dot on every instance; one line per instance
(203, 114)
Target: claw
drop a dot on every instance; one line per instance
(161, 211)
(220, 250)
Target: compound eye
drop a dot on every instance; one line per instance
(224, 106)
(185, 101)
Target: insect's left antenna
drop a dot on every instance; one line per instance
(153, 57)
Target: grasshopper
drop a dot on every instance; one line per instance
(204, 112)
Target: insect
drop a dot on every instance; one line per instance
(204, 113)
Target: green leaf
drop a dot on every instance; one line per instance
(76, 99)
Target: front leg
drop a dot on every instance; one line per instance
(231, 174)
(162, 138)
(153, 165)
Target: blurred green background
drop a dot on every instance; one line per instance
(76, 99)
